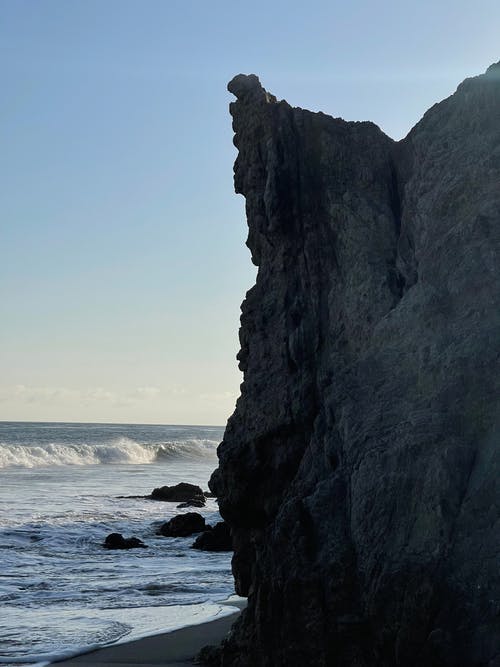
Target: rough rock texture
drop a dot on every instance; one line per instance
(360, 470)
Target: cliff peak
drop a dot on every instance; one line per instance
(494, 70)
(247, 87)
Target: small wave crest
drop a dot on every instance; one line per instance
(121, 451)
(191, 448)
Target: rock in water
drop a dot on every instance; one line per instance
(217, 538)
(117, 541)
(183, 525)
(191, 503)
(359, 472)
(179, 493)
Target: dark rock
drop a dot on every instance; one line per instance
(210, 656)
(359, 472)
(208, 494)
(216, 538)
(179, 493)
(183, 525)
(191, 503)
(117, 541)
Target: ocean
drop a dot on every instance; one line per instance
(61, 592)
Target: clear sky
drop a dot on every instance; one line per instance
(123, 262)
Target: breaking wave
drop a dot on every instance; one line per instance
(120, 451)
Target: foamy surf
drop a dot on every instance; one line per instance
(174, 618)
(123, 450)
(60, 591)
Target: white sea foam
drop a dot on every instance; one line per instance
(174, 618)
(122, 450)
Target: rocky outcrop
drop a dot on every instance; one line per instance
(117, 541)
(359, 472)
(180, 493)
(216, 538)
(183, 525)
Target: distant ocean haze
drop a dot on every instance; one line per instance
(59, 488)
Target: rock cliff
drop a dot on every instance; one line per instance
(360, 471)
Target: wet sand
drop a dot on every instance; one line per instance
(171, 649)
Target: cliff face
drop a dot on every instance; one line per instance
(360, 471)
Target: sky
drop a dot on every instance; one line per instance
(123, 258)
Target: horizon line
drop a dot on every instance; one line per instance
(27, 421)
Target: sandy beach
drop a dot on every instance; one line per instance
(170, 649)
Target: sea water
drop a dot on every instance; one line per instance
(60, 590)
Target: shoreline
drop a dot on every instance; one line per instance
(170, 649)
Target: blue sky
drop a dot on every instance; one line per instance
(123, 262)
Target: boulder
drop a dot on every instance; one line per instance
(183, 525)
(217, 538)
(179, 493)
(117, 541)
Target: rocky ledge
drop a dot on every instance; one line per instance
(359, 472)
